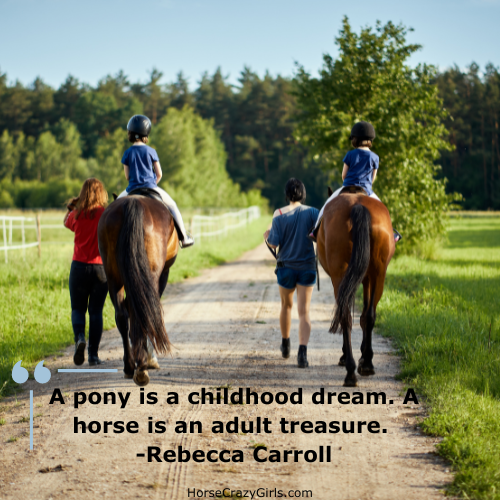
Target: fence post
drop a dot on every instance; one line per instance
(5, 240)
(10, 232)
(39, 234)
(23, 239)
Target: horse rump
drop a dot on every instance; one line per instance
(142, 297)
(356, 270)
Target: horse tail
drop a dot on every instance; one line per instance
(142, 296)
(356, 270)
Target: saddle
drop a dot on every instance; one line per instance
(353, 190)
(147, 193)
(151, 193)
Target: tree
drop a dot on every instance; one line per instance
(107, 166)
(371, 80)
(193, 161)
(8, 156)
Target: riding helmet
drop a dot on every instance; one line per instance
(363, 130)
(139, 125)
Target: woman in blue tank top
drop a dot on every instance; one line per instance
(296, 265)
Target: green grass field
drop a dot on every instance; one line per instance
(35, 311)
(444, 317)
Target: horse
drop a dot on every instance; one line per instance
(138, 244)
(355, 245)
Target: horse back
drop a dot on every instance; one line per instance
(335, 239)
(160, 238)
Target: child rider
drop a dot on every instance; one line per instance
(143, 170)
(360, 168)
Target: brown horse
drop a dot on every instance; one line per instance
(138, 245)
(355, 245)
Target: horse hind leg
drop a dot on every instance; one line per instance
(372, 295)
(152, 359)
(122, 322)
(141, 375)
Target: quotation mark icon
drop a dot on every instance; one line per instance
(20, 374)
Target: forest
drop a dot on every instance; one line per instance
(73, 131)
(231, 145)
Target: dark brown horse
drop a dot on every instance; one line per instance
(355, 245)
(138, 245)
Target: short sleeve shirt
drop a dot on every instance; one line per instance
(139, 160)
(85, 229)
(361, 163)
(289, 231)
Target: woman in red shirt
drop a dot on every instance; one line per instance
(88, 286)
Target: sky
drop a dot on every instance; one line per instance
(93, 38)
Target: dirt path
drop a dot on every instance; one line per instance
(225, 327)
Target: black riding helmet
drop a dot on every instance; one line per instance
(363, 131)
(139, 125)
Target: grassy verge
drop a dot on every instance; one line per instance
(35, 311)
(444, 317)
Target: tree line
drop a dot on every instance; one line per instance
(437, 132)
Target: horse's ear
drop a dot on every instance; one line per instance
(330, 191)
(115, 196)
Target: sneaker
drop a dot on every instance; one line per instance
(302, 357)
(188, 241)
(285, 348)
(79, 356)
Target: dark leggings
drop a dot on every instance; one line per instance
(88, 289)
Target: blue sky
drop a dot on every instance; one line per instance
(93, 38)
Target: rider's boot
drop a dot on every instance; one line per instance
(397, 236)
(313, 234)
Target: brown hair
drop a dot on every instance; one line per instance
(92, 196)
(361, 143)
(132, 137)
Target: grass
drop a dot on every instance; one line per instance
(444, 315)
(35, 310)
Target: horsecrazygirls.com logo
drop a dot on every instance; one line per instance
(258, 493)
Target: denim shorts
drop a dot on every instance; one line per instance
(290, 278)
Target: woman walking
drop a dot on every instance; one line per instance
(88, 286)
(296, 266)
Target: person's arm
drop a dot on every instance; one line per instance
(374, 175)
(158, 172)
(70, 206)
(126, 169)
(344, 171)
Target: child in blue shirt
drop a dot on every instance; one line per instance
(142, 169)
(360, 167)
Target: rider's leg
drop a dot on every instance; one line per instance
(313, 234)
(185, 238)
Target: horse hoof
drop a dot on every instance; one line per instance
(366, 372)
(128, 375)
(141, 378)
(153, 364)
(352, 382)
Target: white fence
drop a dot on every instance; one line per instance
(202, 227)
(210, 226)
(8, 228)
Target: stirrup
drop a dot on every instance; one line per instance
(397, 236)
